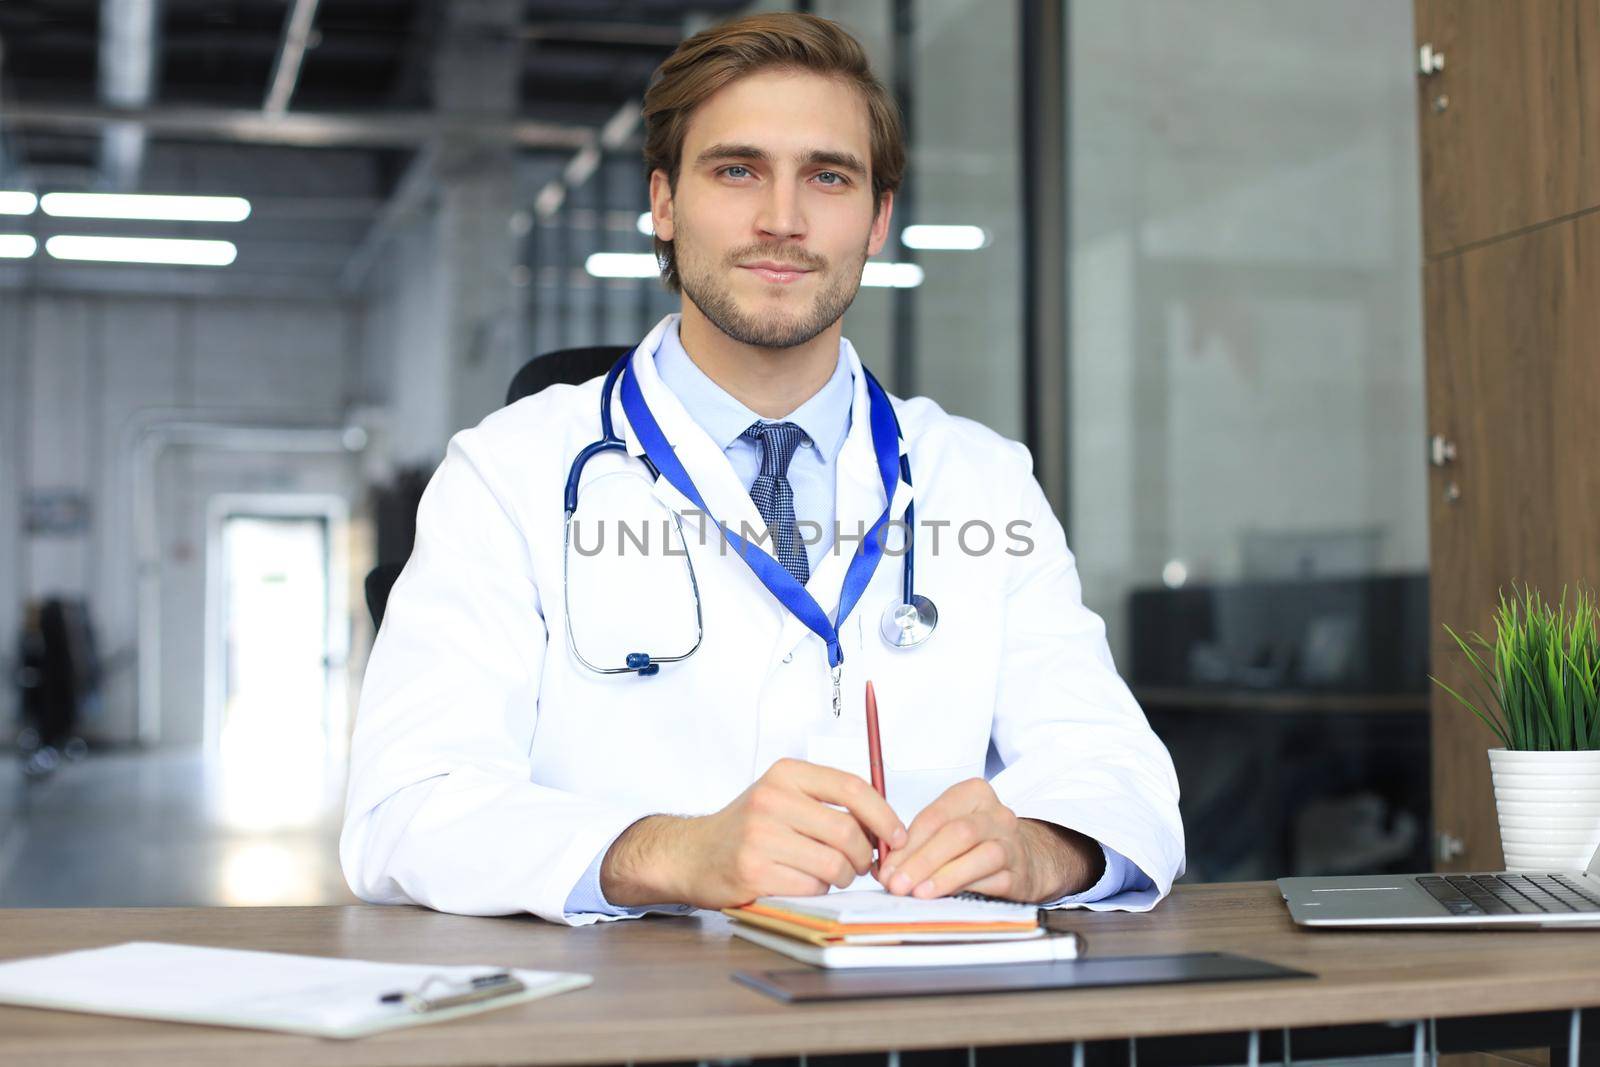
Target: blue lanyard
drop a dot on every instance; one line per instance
(790, 593)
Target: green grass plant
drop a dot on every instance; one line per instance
(1537, 684)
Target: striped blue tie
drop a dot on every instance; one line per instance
(774, 497)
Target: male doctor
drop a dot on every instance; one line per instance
(495, 770)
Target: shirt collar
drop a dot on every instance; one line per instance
(825, 417)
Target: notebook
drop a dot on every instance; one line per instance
(872, 928)
(874, 911)
(313, 995)
(1039, 948)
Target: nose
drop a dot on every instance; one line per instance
(781, 217)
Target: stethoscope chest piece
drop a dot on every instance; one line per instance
(907, 624)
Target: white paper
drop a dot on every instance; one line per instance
(314, 995)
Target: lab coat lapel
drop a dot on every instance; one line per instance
(858, 503)
(713, 475)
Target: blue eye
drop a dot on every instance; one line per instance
(729, 171)
(838, 178)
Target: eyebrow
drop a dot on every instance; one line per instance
(815, 157)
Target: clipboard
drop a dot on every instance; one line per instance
(314, 995)
(809, 985)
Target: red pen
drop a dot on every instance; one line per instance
(875, 759)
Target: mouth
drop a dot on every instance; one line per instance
(776, 273)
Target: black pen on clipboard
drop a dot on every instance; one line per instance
(482, 987)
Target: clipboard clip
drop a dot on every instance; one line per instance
(438, 992)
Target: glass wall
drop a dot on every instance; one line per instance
(965, 164)
(1246, 422)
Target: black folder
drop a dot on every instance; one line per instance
(811, 983)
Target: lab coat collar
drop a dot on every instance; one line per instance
(859, 502)
(725, 496)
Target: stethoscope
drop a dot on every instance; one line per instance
(905, 624)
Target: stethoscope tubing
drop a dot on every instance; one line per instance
(611, 441)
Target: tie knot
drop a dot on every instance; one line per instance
(778, 442)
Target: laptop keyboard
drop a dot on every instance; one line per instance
(1509, 894)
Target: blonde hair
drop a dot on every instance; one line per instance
(712, 58)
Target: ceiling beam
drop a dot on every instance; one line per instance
(663, 36)
(291, 53)
(303, 129)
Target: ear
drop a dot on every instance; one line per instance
(880, 225)
(661, 203)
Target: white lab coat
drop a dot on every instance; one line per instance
(489, 767)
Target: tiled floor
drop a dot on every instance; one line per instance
(164, 827)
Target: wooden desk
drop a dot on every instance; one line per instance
(662, 988)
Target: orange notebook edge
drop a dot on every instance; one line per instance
(781, 926)
(838, 929)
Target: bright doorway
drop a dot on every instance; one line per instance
(278, 636)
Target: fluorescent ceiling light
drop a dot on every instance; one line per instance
(965, 238)
(142, 206)
(892, 275)
(168, 250)
(622, 265)
(17, 246)
(646, 224)
(17, 203)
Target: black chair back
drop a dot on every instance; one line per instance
(380, 580)
(569, 366)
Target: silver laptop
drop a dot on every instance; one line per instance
(1502, 898)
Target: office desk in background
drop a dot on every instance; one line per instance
(663, 989)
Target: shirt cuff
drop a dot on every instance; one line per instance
(587, 898)
(1121, 875)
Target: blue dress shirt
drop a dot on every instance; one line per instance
(825, 418)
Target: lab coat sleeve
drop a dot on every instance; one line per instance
(1076, 748)
(441, 809)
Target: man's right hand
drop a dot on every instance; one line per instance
(780, 837)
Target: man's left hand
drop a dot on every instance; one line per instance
(967, 841)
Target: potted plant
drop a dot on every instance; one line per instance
(1538, 688)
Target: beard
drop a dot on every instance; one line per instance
(709, 285)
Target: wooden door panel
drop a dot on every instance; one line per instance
(1513, 378)
(1519, 142)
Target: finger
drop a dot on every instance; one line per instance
(1001, 884)
(851, 792)
(963, 798)
(927, 823)
(983, 860)
(781, 880)
(954, 838)
(837, 829)
(829, 865)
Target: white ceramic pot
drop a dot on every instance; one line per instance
(1549, 807)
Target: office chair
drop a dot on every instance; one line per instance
(569, 366)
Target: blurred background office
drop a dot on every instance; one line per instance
(1172, 246)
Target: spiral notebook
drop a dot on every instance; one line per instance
(313, 995)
